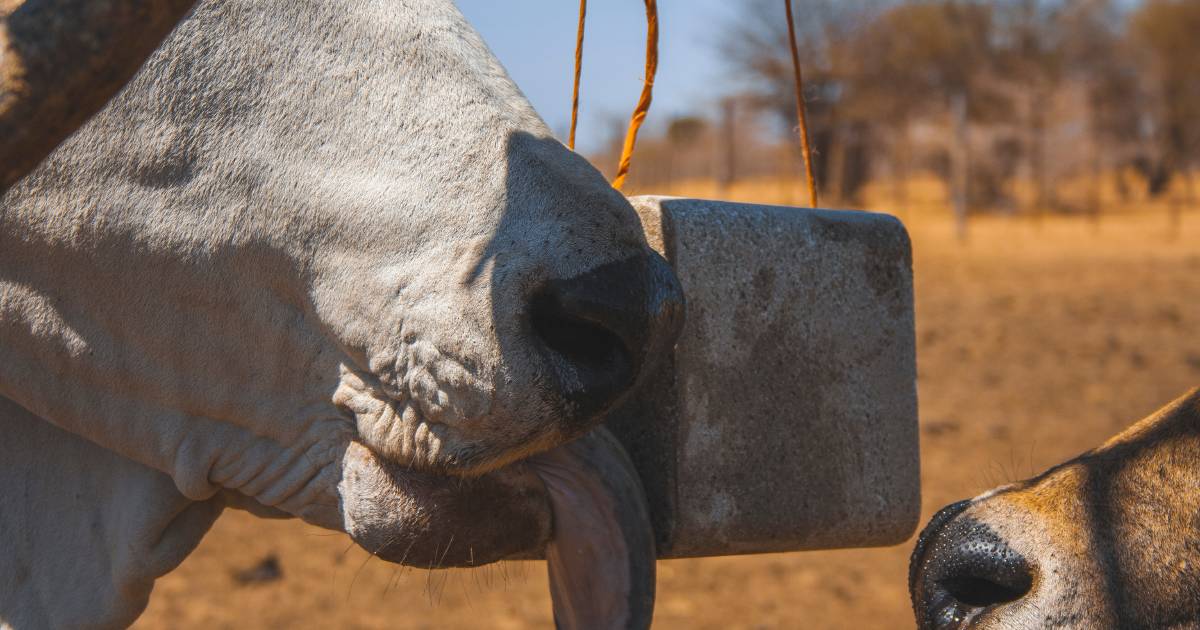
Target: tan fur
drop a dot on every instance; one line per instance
(1112, 537)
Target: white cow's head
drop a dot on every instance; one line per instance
(310, 243)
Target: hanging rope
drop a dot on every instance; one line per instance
(643, 106)
(578, 68)
(800, 116)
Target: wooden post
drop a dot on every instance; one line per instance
(1175, 212)
(727, 146)
(1037, 155)
(961, 163)
(900, 156)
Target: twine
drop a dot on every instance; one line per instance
(643, 105)
(802, 119)
(578, 68)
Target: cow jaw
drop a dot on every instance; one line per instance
(581, 502)
(84, 545)
(428, 520)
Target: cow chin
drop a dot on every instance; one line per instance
(427, 520)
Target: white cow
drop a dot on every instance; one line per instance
(320, 260)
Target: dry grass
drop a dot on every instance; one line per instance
(1034, 342)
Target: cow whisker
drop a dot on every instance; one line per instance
(398, 573)
(462, 581)
(447, 550)
(354, 579)
(475, 572)
(370, 554)
(441, 588)
(388, 583)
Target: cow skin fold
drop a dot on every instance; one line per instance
(82, 562)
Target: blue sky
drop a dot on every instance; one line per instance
(535, 40)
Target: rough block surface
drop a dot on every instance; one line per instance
(787, 417)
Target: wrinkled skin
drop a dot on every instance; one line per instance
(340, 273)
(1106, 540)
(92, 529)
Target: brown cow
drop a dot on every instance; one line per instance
(1106, 540)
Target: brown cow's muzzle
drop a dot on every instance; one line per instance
(1105, 540)
(961, 570)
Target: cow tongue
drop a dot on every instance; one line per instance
(582, 502)
(601, 559)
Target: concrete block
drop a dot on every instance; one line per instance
(786, 418)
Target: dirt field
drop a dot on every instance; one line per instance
(1034, 343)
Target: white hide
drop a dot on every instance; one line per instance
(83, 531)
(299, 228)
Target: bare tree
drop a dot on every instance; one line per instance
(929, 59)
(1165, 32)
(1014, 90)
(1095, 55)
(757, 49)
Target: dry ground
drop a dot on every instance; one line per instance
(1034, 343)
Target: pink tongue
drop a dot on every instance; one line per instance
(601, 558)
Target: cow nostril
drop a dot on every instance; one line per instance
(586, 344)
(981, 592)
(599, 331)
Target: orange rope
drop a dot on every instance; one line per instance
(578, 68)
(803, 120)
(643, 106)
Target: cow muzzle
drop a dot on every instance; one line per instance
(961, 571)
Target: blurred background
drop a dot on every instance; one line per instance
(1042, 154)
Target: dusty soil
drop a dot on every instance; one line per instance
(1034, 343)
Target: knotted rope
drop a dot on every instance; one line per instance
(643, 105)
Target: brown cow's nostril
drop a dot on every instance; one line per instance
(599, 329)
(982, 592)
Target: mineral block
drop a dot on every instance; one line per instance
(786, 418)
